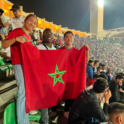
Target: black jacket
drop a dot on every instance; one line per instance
(122, 94)
(114, 88)
(86, 106)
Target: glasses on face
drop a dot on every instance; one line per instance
(49, 34)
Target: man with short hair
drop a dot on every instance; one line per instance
(46, 45)
(17, 21)
(115, 88)
(116, 113)
(3, 30)
(109, 75)
(96, 64)
(87, 105)
(89, 72)
(103, 68)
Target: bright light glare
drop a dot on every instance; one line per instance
(101, 3)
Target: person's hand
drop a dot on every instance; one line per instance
(108, 74)
(88, 48)
(20, 39)
(121, 90)
(107, 96)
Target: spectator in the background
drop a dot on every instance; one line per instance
(89, 70)
(115, 88)
(6, 52)
(103, 68)
(41, 35)
(38, 36)
(7, 55)
(35, 37)
(98, 70)
(17, 21)
(57, 45)
(100, 65)
(116, 113)
(87, 105)
(108, 73)
(3, 30)
(96, 64)
(95, 77)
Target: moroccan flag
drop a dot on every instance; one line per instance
(52, 76)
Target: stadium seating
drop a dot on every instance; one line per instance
(35, 117)
(10, 116)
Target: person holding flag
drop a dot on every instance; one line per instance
(68, 39)
(46, 45)
(14, 40)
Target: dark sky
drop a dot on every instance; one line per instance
(74, 14)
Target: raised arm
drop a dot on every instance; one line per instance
(8, 43)
(4, 24)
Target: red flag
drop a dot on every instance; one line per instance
(52, 76)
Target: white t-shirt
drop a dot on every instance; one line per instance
(16, 23)
(7, 50)
(103, 71)
(42, 47)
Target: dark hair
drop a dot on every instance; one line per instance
(98, 68)
(100, 64)
(119, 77)
(1, 11)
(120, 74)
(121, 101)
(95, 76)
(103, 76)
(68, 32)
(96, 61)
(90, 61)
(102, 72)
(115, 107)
(100, 85)
(27, 17)
(103, 65)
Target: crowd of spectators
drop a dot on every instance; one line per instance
(104, 71)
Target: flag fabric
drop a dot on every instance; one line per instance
(52, 76)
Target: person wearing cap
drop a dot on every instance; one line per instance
(17, 21)
(3, 30)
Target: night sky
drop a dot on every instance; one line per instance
(74, 14)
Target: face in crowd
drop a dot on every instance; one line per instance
(48, 36)
(16, 13)
(30, 23)
(91, 63)
(68, 39)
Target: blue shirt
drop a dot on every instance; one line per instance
(89, 72)
(109, 77)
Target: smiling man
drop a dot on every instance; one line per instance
(47, 41)
(17, 21)
(46, 45)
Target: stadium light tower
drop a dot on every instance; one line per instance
(96, 16)
(101, 3)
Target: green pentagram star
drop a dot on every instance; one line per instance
(57, 73)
